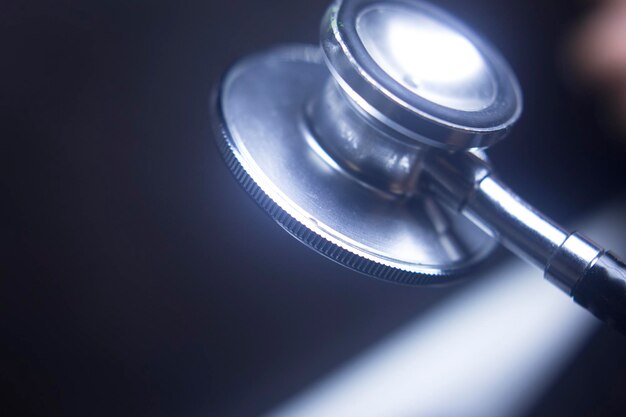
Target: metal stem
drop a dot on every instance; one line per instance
(466, 182)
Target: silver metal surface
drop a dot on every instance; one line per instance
(410, 82)
(466, 184)
(264, 134)
(360, 148)
(570, 262)
(427, 57)
(518, 226)
(343, 156)
(473, 190)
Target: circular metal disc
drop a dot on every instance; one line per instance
(420, 71)
(263, 136)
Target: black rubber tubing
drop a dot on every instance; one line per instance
(602, 291)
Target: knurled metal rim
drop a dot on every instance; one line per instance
(331, 250)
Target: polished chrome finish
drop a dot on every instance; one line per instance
(518, 226)
(427, 57)
(466, 184)
(378, 228)
(443, 113)
(375, 160)
(453, 177)
(360, 148)
(570, 262)
(474, 191)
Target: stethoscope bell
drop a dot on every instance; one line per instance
(368, 151)
(268, 139)
(329, 141)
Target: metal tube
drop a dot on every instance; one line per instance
(520, 228)
(466, 183)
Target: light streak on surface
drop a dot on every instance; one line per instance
(490, 351)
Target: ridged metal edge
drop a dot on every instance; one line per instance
(299, 230)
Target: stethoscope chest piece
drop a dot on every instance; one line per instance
(369, 149)
(271, 114)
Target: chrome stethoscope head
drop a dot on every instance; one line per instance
(368, 150)
(330, 141)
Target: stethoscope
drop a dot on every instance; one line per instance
(370, 151)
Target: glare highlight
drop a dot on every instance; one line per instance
(428, 58)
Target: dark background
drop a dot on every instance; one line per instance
(139, 279)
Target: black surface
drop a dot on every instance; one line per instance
(138, 279)
(602, 290)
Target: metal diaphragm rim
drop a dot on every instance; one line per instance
(258, 115)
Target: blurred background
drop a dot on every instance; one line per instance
(139, 279)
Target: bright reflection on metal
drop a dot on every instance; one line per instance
(427, 57)
(486, 353)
